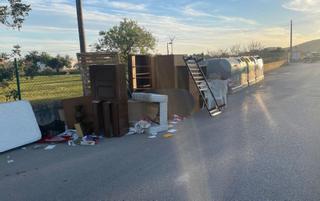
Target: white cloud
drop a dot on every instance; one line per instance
(236, 19)
(190, 11)
(196, 10)
(303, 5)
(121, 5)
(127, 6)
(191, 37)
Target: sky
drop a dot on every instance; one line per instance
(197, 26)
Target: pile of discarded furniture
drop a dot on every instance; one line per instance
(152, 89)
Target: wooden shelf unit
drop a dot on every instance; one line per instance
(141, 72)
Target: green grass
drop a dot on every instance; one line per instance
(44, 88)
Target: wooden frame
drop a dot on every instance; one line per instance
(94, 58)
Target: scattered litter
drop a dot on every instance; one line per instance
(178, 118)
(88, 143)
(71, 143)
(54, 139)
(49, 147)
(38, 146)
(10, 161)
(168, 135)
(139, 127)
(172, 131)
(175, 120)
(132, 131)
(89, 140)
(152, 135)
(24, 148)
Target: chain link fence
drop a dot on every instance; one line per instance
(39, 88)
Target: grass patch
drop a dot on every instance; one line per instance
(43, 88)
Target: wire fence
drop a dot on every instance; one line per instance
(42, 88)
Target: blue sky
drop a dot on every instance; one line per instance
(198, 26)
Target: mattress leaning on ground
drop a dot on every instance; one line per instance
(18, 125)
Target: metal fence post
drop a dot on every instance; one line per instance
(17, 77)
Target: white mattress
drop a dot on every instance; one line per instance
(18, 125)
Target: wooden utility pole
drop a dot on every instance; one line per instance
(80, 27)
(291, 48)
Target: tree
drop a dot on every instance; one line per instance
(16, 51)
(255, 47)
(31, 64)
(13, 13)
(219, 53)
(235, 50)
(126, 38)
(59, 62)
(7, 75)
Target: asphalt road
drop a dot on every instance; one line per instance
(265, 146)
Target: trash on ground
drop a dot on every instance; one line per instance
(178, 118)
(24, 148)
(10, 161)
(39, 146)
(139, 127)
(153, 135)
(89, 140)
(54, 139)
(172, 131)
(49, 147)
(70, 137)
(88, 143)
(71, 143)
(168, 135)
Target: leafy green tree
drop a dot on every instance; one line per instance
(6, 75)
(13, 13)
(58, 62)
(44, 58)
(126, 38)
(31, 64)
(16, 51)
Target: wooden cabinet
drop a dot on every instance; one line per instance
(148, 72)
(108, 82)
(141, 72)
(109, 91)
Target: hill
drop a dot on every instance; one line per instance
(310, 46)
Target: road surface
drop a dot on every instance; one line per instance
(265, 146)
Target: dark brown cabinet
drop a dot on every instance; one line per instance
(109, 91)
(108, 82)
